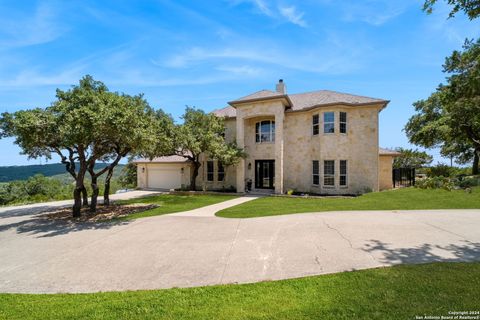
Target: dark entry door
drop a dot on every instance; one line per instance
(265, 174)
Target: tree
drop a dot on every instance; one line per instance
(203, 133)
(470, 7)
(450, 117)
(86, 124)
(128, 176)
(410, 158)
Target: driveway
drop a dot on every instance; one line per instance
(183, 250)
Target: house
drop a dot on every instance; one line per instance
(321, 142)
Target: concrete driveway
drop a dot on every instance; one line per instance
(182, 250)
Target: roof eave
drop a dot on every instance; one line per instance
(240, 102)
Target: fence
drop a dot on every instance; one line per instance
(403, 177)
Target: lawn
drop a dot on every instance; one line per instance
(400, 199)
(170, 203)
(399, 292)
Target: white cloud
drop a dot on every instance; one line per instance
(292, 15)
(374, 12)
(38, 27)
(245, 70)
(276, 10)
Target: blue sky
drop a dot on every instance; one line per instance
(205, 53)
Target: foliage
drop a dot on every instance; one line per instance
(468, 182)
(203, 133)
(410, 158)
(470, 7)
(436, 182)
(34, 189)
(86, 124)
(399, 199)
(440, 170)
(128, 175)
(450, 117)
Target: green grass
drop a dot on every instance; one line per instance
(170, 203)
(401, 199)
(399, 292)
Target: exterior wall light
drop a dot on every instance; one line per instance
(249, 166)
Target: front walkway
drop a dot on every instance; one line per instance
(195, 249)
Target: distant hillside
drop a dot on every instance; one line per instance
(56, 170)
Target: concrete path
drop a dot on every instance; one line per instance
(209, 211)
(182, 250)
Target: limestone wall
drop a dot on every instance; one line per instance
(385, 172)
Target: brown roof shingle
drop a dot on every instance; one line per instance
(304, 101)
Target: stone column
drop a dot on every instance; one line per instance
(279, 142)
(241, 144)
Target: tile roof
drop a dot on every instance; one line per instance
(259, 95)
(227, 112)
(166, 159)
(312, 99)
(387, 152)
(304, 101)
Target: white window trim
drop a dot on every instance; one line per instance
(333, 186)
(340, 122)
(324, 123)
(345, 186)
(318, 125)
(318, 174)
(259, 133)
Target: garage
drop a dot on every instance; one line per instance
(167, 173)
(169, 177)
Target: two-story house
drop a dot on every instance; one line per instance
(322, 142)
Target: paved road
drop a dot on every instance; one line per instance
(182, 250)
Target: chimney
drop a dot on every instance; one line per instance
(281, 87)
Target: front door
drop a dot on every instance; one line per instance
(265, 174)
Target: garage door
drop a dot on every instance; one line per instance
(164, 178)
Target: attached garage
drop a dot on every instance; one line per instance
(163, 173)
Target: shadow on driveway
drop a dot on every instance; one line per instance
(425, 253)
(43, 226)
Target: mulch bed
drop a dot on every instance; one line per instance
(111, 212)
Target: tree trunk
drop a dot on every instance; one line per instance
(77, 205)
(95, 191)
(193, 178)
(106, 192)
(85, 197)
(476, 157)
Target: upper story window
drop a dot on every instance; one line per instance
(265, 131)
(343, 122)
(328, 122)
(315, 124)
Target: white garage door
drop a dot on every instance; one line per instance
(164, 178)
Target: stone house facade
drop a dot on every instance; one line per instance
(321, 142)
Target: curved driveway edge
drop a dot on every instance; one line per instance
(181, 250)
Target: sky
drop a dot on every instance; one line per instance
(206, 53)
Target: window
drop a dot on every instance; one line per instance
(343, 122)
(328, 122)
(210, 170)
(343, 173)
(220, 172)
(265, 131)
(315, 124)
(315, 172)
(329, 173)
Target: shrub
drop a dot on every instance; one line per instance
(440, 170)
(435, 183)
(468, 182)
